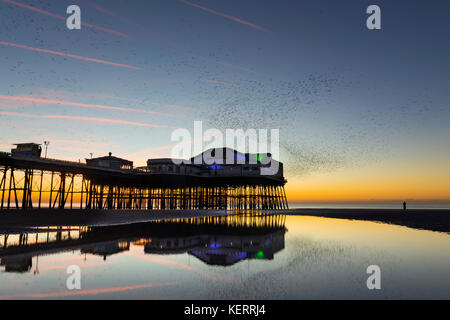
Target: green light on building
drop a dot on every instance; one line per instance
(259, 255)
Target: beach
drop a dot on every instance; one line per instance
(11, 219)
(428, 219)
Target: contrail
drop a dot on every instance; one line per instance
(130, 22)
(228, 84)
(227, 16)
(68, 55)
(104, 120)
(82, 105)
(120, 34)
(141, 101)
(171, 43)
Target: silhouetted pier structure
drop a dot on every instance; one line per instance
(28, 181)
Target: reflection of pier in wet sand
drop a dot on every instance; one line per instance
(223, 240)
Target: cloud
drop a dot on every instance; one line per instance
(82, 105)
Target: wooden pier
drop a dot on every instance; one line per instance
(36, 183)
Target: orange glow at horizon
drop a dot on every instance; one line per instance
(391, 180)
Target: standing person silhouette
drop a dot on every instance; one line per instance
(404, 205)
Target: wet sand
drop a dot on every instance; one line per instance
(428, 219)
(431, 219)
(11, 219)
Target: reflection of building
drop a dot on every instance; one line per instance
(221, 249)
(108, 248)
(27, 150)
(222, 240)
(172, 245)
(110, 162)
(17, 263)
(226, 250)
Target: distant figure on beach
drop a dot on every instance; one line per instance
(404, 205)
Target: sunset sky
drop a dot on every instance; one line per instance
(363, 114)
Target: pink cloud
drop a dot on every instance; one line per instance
(77, 104)
(15, 45)
(103, 120)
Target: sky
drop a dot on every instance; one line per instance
(363, 114)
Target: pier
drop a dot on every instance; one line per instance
(29, 181)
